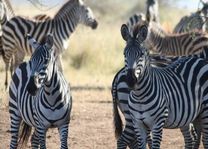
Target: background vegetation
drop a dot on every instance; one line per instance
(94, 56)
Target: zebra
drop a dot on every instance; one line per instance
(169, 97)
(158, 41)
(120, 92)
(39, 97)
(183, 44)
(152, 13)
(195, 21)
(62, 25)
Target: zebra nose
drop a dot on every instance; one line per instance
(94, 24)
(131, 78)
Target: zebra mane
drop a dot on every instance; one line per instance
(190, 33)
(66, 8)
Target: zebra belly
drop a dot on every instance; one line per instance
(180, 117)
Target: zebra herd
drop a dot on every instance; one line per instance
(162, 85)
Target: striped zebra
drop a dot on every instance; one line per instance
(159, 41)
(170, 97)
(195, 21)
(120, 92)
(39, 97)
(62, 25)
(174, 44)
(169, 44)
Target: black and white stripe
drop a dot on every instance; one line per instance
(159, 41)
(39, 97)
(61, 26)
(170, 97)
(120, 92)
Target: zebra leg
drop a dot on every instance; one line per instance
(198, 132)
(41, 132)
(17, 59)
(7, 65)
(156, 137)
(35, 140)
(204, 126)
(205, 137)
(15, 125)
(63, 132)
(187, 135)
(127, 138)
(149, 139)
(141, 134)
(11, 66)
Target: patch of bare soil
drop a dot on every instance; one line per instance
(91, 124)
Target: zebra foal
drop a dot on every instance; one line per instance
(62, 25)
(39, 97)
(169, 97)
(174, 44)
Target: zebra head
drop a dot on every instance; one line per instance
(87, 16)
(41, 64)
(204, 9)
(135, 54)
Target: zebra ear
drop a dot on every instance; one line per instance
(32, 42)
(125, 32)
(49, 41)
(141, 34)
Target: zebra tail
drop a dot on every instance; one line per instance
(118, 125)
(25, 132)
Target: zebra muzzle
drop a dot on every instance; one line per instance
(32, 87)
(94, 24)
(131, 78)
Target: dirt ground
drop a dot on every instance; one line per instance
(91, 124)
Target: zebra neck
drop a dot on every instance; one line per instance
(144, 83)
(158, 40)
(66, 20)
(53, 89)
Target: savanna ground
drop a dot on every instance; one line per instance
(93, 58)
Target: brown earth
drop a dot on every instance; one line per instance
(91, 124)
